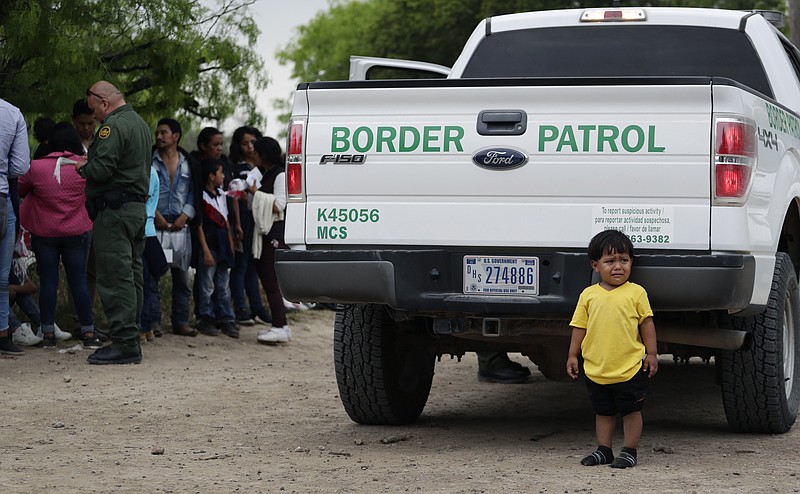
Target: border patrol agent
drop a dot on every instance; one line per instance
(117, 175)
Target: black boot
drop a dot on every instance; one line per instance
(113, 354)
(7, 346)
(496, 367)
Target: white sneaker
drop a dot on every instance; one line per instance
(24, 336)
(62, 335)
(287, 329)
(293, 306)
(274, 335)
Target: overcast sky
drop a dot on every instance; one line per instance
(277, 20)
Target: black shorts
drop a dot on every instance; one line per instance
(623, 398)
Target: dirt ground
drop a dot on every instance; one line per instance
(237, 416)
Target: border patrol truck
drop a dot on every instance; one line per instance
(452, 215)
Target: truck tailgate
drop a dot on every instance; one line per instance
(407, 166)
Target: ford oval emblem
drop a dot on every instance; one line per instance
(499, 158)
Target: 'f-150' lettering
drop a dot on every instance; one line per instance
(404, 139)
(598, 138)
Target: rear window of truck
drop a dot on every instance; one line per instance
(620, 51)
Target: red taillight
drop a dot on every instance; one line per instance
(295, 160)
(732, 180)
(296, 139)
(735, 138)
(734, 158)
(294, 179)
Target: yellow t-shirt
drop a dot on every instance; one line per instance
(612, 349)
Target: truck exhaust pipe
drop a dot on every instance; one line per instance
(720, 338)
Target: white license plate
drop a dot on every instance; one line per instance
(501, 275)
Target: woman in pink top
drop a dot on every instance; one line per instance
(53, 211)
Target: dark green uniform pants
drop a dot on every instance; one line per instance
(118, 236)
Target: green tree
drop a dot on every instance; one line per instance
(430, 31)
(169, 57)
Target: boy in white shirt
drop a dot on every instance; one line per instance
(216, 242)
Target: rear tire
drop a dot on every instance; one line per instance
(760, 389)
(383, 370)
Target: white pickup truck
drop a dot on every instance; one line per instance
(453, 215)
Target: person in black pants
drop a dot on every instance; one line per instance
(496, 367)
(268, 204)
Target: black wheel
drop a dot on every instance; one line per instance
(759, 390)
(383, 370)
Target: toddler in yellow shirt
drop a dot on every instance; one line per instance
(613, 331)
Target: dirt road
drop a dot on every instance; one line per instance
(236, 416)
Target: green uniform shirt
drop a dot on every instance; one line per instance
(120, 155)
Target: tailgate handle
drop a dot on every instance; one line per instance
(502, 122)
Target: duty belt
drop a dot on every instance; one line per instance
(133, 198)
(109, 200)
